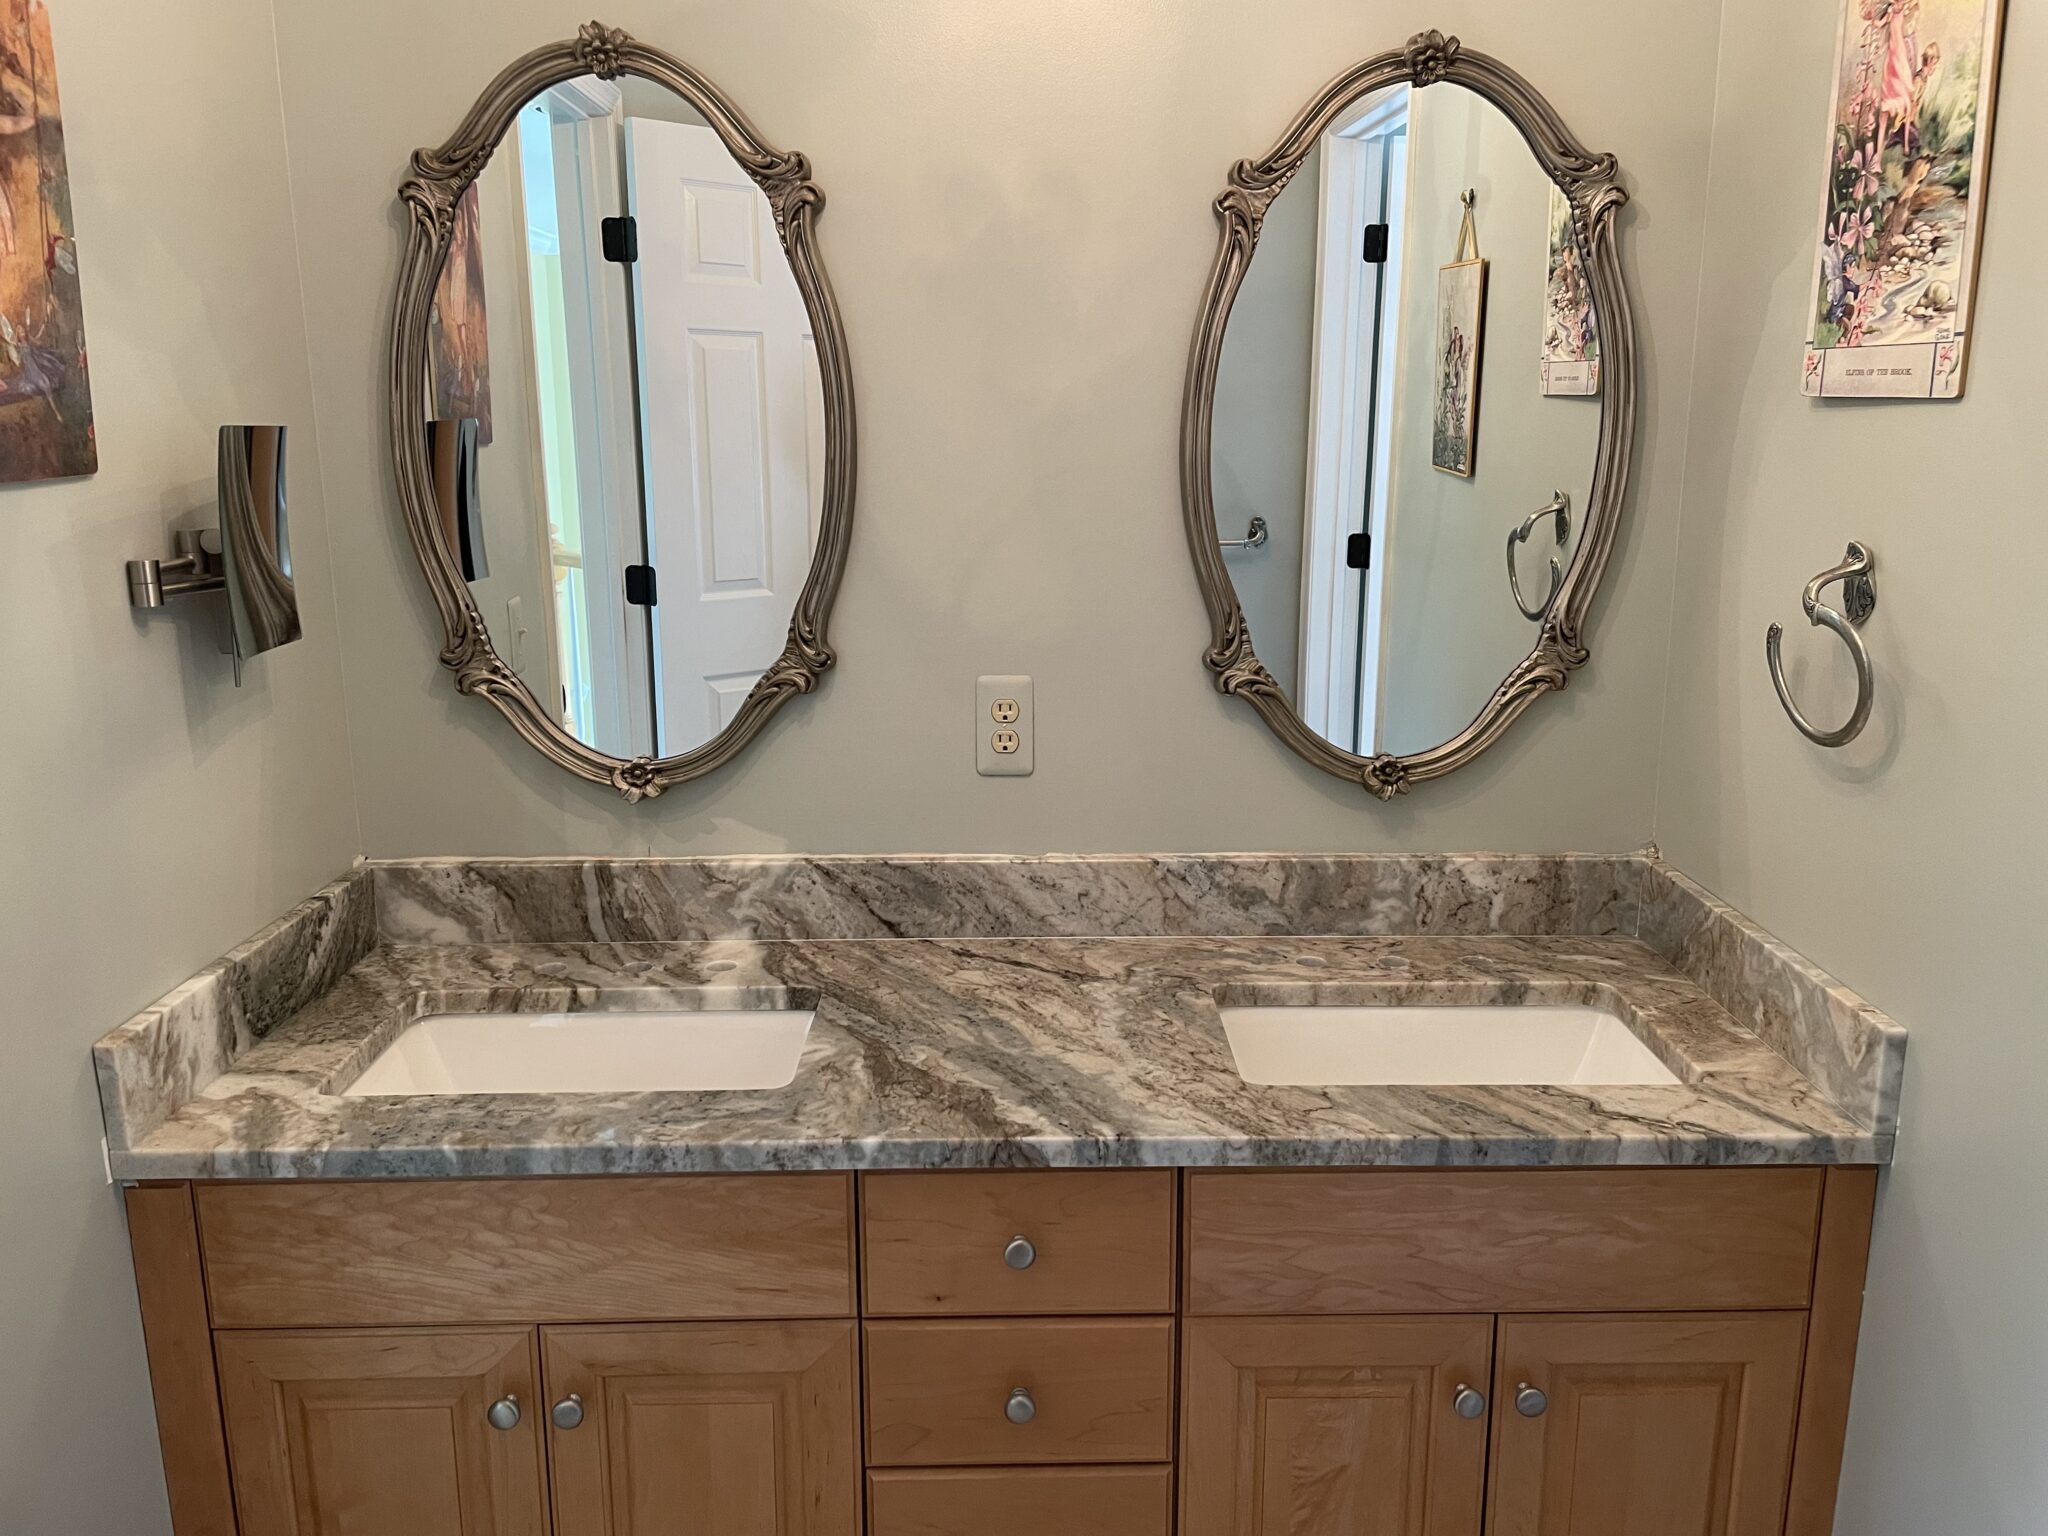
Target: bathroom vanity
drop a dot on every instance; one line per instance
(1017, 1247)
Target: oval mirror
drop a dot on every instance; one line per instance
(622, 414)
(1406, 435)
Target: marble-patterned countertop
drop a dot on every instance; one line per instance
(998, 1052)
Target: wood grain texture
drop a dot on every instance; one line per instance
(1847, 1209)
(732, 1428)
(163, 1235)
(373, 1433)
(1022, 1501)
(1560, 1240)
(936, 1391)
(1674, 1423)
(1307, 1426)
(932, 1243)
(528, 1250)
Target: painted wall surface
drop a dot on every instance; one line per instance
(1910, 863)
(1264, 383)
(154, 814)
(1452, 630)
(1018, 228)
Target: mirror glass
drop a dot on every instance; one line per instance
(627, 439)
(1410, 376)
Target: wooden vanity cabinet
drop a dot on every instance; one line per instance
(1098, 1353)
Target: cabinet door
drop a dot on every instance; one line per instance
(365, 1434)
(704, 1429)
(1649, 1425)
(1334, 1428)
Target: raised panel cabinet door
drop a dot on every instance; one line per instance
(1645, 1425)
(1324, 1427)
(704, 1429)
(371, 1433)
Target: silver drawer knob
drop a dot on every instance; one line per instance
(1020, 1254)
(1020, 1409)
(1468, 1402)
(504, 1413)
(568, 1413)
(1530, 1401)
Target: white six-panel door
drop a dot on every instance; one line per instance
(731, 424)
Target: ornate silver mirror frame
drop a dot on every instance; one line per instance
(440, 177)
(1591, 182)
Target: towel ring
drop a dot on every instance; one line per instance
(1254, 536)
(1859, 600)
(1560, 507)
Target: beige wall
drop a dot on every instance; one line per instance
(1910, 863)
(154, 814)
(1019, 227)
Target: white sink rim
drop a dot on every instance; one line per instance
(1441, 1045)
(632, 1050)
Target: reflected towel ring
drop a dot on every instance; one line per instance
(1560, 507)
(1254, 536)
(1859, 600)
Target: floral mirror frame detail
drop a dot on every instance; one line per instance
(439, 179)
(1591, 183)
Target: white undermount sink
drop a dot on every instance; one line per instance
(1324, 1046)
(680, 1050)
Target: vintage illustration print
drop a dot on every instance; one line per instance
(1909, 146)
(458, 330)
(1460, 322)
(1571, 339)
(46, 429)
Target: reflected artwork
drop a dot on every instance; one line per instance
(46, 428)
(458, 330)
(1909, 142)
(1571, 341)
(1460, 321)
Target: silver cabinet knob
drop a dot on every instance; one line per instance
(1468, 1402)
(568, 1413)
(1530, 1401)
(1020, 1254)
(1020, 1409)
(504, 1413)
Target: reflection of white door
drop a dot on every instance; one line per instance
(731, 442)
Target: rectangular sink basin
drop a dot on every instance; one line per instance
(635, 1052)
(1314, 1046)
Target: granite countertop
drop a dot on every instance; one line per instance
(992, 1052)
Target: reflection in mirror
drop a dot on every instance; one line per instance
(1407, 385)
(628, 444)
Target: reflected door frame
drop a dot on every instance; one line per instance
(584, 118)
(1350, 473)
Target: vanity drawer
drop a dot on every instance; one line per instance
(945, 1244)
(1517, 1240)
(1022, 1501)
(528, 1250)
(1099, 1390)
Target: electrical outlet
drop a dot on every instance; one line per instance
(1004, 724)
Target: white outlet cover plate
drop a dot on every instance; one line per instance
(987, 761)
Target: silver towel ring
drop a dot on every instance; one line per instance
(1560, 507)
(1859, 600)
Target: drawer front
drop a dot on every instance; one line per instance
(1022, 1501)
(945, 1244)
(1099, 1390)
(1565, 1240)
(528, 1250)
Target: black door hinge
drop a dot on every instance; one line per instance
(1358, 552)
(621, 238)
(640, 587)
(1376, 243)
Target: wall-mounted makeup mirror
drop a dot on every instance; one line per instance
(1406, 434)
(622, 412)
